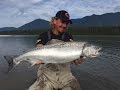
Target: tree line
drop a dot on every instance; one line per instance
(75, 30)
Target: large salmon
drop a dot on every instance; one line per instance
(61, 52)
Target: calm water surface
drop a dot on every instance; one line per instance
(102, 73)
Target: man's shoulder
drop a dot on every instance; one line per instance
(43, 35)
(42, 38)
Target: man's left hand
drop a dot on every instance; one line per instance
(78, 61)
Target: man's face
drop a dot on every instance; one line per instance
(60, 26)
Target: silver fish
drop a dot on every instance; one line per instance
(61, 52)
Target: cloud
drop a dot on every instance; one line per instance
(117, 8)
(24, 11)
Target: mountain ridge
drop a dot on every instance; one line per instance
(107, 19)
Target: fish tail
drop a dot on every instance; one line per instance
(11, 63)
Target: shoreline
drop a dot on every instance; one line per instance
(73, 35)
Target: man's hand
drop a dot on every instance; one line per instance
(78, 61)
(39, 62)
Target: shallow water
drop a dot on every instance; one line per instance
(102, 73)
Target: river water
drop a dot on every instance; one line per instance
(102, 73)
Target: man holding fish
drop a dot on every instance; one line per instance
(56, 76)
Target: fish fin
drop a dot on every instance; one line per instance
(10, 62)
(33, 64)
(84, 57)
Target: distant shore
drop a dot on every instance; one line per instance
(73, 35)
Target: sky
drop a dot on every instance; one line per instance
(15, 13)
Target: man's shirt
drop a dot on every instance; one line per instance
(47, 36)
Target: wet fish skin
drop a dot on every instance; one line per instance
(60, 52)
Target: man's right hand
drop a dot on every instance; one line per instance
(39, 62)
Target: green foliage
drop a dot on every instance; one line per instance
(94, 30)
(75, 30)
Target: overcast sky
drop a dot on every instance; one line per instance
(14, 13)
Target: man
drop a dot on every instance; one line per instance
(56, 76)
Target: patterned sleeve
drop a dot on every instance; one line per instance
(41, 39)
(70, 37)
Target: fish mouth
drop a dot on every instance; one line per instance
(96, 55)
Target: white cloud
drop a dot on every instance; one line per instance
(24, 11)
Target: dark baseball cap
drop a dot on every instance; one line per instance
(64, 16)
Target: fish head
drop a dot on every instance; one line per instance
(91, 51)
